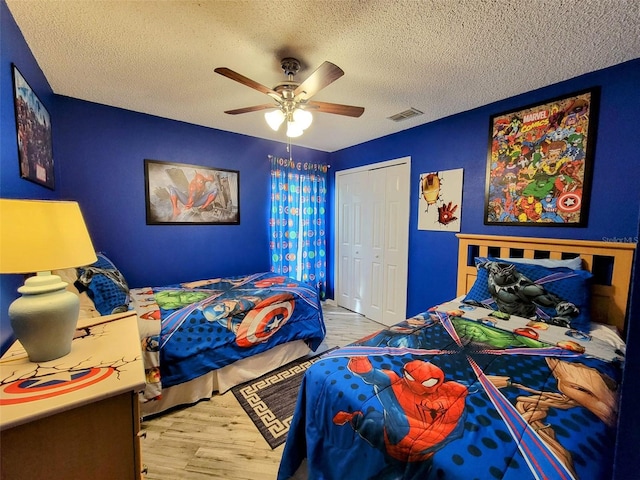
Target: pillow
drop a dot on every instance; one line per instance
(608, 334)
(572, 263)
(560, 296)
(105, 285)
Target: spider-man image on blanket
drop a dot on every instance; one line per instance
(421, 413)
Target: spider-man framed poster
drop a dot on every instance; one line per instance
(181, 194)
(539, 162)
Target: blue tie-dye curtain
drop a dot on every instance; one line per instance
(297, 221)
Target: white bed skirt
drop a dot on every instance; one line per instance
(225, 378)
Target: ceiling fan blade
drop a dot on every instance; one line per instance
(336, 108)
(226, 72)
(255, 108)
(324, 75)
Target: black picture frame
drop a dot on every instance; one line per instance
(184, 194)
(540, 161)
(33, 133)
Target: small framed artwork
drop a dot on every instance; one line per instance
(539, 163)
(33, 125)
(182, 194)
(440, 202)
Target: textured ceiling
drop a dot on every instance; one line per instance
(439, 56)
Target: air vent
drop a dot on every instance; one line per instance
(412, 112)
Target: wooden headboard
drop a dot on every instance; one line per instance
(610, 263)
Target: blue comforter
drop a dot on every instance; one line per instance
(458, 395)
(189, 329)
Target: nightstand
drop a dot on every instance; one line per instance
(76, 416)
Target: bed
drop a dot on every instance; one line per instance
(206, 336)
(471, 389)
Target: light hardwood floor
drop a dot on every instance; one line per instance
(215, 439)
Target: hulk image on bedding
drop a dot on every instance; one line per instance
(174, 299)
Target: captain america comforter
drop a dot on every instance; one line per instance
(190, 329)
(459, 392)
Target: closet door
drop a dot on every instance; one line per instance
(395, 250)
(354, 241)
(372, 232)
(376, 281)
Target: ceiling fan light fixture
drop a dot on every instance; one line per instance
(274, 118)
(293, 130)
(302, 118)
(292, 96)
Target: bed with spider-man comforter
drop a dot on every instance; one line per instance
(190, 330)
(459, 393)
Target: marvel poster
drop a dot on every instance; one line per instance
(539, 163)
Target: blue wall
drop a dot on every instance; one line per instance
(461, 141)
(99, 155)
(627, 458)
(13, 49)
(104, 150)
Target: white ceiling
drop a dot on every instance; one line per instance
(439, 56)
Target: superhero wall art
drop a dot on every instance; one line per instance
(440, 201)
(539, 163)
(178, 193)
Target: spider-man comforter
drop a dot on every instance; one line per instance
(456, 394)
(189, 329)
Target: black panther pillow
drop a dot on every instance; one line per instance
(558, 296)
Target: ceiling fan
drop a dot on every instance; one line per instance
(292, 99)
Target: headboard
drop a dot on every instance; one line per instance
(610, 263)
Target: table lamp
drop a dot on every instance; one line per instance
(38, 236)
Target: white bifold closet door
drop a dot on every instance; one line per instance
(373, 240)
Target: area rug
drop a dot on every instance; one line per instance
(270, 400)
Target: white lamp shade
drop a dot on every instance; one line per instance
(293, 130)
(302, 118)
(38, 235)
(274, 118)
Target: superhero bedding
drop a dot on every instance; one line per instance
(462, 391)
(190, 329)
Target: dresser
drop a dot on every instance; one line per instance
(76, 416)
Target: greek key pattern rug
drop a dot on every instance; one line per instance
(270, 400)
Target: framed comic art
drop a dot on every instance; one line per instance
(539, 163)
(33, 127)
(182, 194)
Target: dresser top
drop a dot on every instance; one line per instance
(105, 360)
